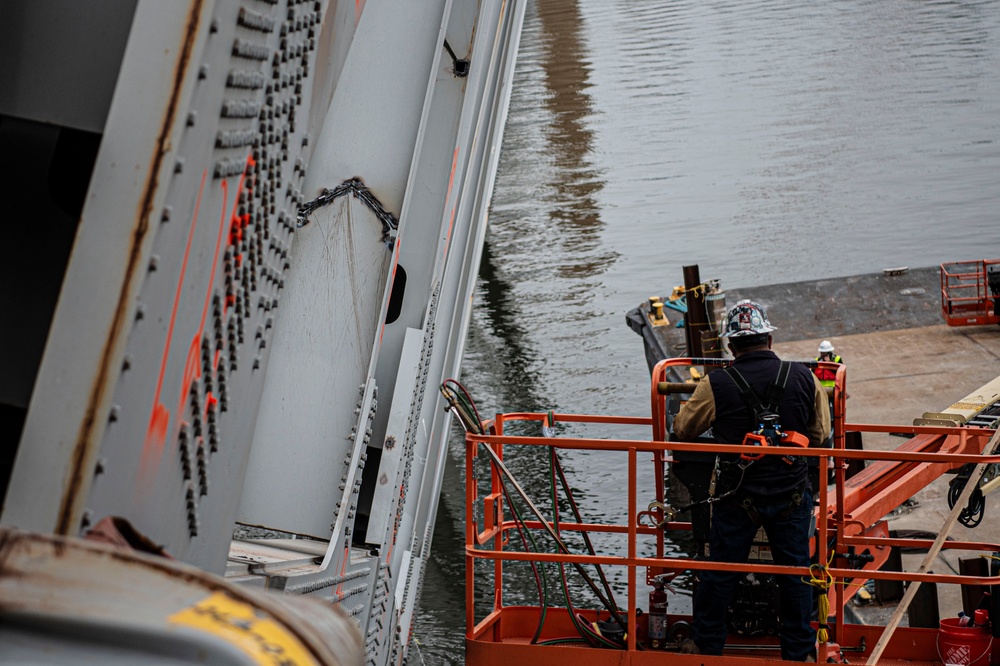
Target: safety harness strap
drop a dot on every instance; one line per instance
(750, 396)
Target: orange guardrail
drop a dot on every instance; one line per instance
(967, 298)
(850, 513)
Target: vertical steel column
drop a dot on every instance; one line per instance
(695, 321)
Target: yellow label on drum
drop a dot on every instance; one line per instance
(246, 628)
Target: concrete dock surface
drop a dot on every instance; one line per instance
(894, 375)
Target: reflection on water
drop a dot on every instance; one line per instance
(573, 181)
(766, 140)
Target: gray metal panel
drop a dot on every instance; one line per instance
(325, 341)
(197, 374)
(322, 347)
(401, 420)
(424, 141)
(493, 62)
(60, 59)
(424, 223)
(425, 227)
(472, 136)
(175, 282)
(98, 301)
(464, 267)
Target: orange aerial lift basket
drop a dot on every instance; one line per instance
(637, 546)
(970, 292)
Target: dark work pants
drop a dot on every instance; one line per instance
(696, 476)
(731, 537)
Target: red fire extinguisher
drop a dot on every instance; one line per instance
(657, 627)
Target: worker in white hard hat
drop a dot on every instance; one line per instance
(769, 491)
(825, 375)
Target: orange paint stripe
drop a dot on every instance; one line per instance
(173, 316)
(218, 242)
(343, 568)
(451, 220)
(451, 178)
(192, 367)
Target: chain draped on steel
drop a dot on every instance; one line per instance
(361, 192)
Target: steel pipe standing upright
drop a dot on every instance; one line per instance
(695, 321)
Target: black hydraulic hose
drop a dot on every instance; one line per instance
(576, 514)
(591, 637)
(474, 425)
(555, 537)
(466, 411)
(540, 580)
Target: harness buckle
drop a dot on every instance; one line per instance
(754, 439)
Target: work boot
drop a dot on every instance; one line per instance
(690, 647)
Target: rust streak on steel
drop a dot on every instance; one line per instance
(83, 443)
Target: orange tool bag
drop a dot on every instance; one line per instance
(768, 431)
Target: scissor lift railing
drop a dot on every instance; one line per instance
(967, 296)
(853, 509)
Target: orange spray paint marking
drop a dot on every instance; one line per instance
(192, 369)
(192, 364)
(218, 243)
(343, 569)
(159, 419)
(159, 422)
(451, 221)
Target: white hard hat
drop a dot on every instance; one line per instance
(747, 318)
(825, 347)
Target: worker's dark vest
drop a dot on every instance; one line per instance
(770, 476)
